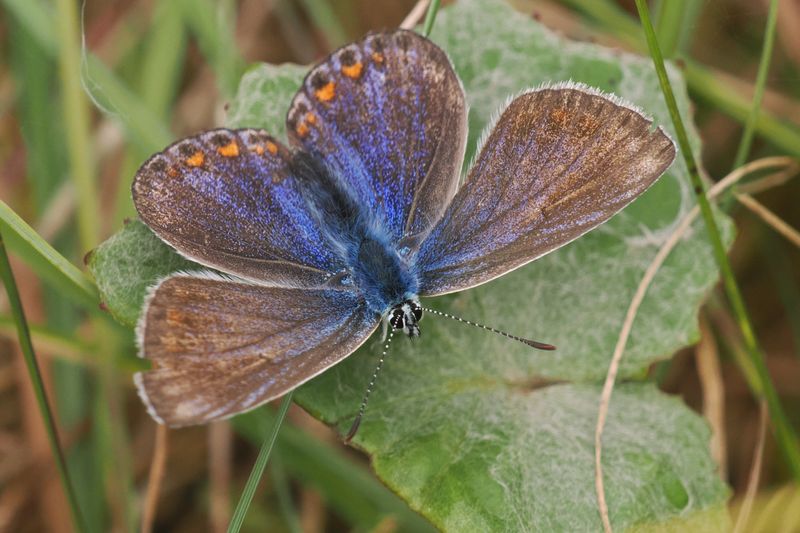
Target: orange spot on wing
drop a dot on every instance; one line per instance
(196, 159)
(311, 118)
(272, 147)
(352, 71)
(326, 92)
(229, 150)
(377, 57)
(302, 129)
(172, 172)
(175, 317)
(258, 148)
(560, 116)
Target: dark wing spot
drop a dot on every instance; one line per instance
(377, 44)
(220, 139)
(158, 165)
(318, 81)
(186, 149)
(348, 58)
(403, 40)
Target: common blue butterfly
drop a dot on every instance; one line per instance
(361, 216)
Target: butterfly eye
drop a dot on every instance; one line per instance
(417, 310)
(397, 321)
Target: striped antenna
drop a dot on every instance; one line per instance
(357, 421)
(534, 344)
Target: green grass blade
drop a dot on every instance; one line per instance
(714, 91)
(164, 55)
(76, 122)
(761, 82)
(68, 347)
(347, 487)
(45, 260)
(105, 87)
(326, 20)
(26, 346)
(675, 20)
(258, 469)
(430, 17)
(785, 435)
(160, 76)
(212, 25)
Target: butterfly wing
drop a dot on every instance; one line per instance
(559, 162)
(221, 347)
(387, 115)
(231, 201)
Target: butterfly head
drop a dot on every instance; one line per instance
(405, 316)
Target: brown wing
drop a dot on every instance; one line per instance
(221, 347)
(559, 162)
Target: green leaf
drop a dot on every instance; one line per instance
(478, 432)
(127, 264)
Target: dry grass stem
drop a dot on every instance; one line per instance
(713, 388)
(157, 467)
(220, 456)
(636, 301)
(415, 15)
(755, 471)
(770, 218)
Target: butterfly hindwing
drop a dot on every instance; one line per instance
(558, 162)
(220, 346)
(388, 116)
(230, 200)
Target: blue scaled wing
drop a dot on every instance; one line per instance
(220, 347)
(230, 200)
(559, 162)
(388, 117)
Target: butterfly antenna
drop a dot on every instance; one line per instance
(357, 421)
(535, 344)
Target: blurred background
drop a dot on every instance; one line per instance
(75, 124)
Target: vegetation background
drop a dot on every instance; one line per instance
(169, 68)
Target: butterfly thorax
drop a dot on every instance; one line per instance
(381, 274)
(369, 253)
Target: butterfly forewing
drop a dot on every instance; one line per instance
(559, 162)
(220, 347)
(388, 116)
(229, 199)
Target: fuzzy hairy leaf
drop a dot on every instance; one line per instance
(479, 433)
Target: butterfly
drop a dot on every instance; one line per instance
(316, 244)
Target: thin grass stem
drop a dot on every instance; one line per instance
(761, 82)
(28, 353)
(258, 468)
(430, 17)
(785, 435)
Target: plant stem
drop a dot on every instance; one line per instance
(784, 433)
(26, 346)
(258, 468)
(76, 121)
(430, 17)
(761, 81)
